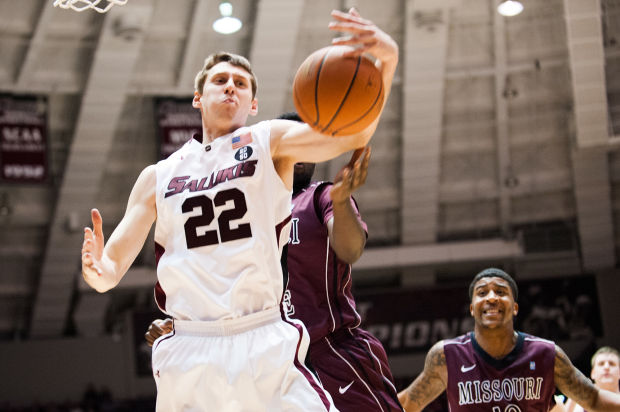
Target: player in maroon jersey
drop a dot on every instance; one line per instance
(327, 236)
(497, 369)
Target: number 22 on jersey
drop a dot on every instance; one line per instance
(207, 215)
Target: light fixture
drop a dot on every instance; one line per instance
(510, 8)
(227, 24)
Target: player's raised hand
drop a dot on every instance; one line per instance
(92, 247)
(157, 328)
(351, 176)
(364, 36)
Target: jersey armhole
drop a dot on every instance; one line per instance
(317, 194)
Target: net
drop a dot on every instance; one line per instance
(101, 6)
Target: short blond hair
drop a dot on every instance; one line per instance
(604, 349)
(215, 58)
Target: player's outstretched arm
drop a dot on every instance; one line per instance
(293, 142)
(156, 329)
(346, 233)
(579, 388)
(104, 264)
(429, 384)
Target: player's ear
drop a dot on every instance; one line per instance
(471, 309)
(254, 107)
(196, 100)
(516, 309)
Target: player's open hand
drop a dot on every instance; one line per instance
(352, 176)
(157, 328)
(92, 248)
(364, 36)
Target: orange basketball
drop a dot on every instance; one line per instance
(338, 95)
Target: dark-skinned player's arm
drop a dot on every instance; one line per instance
(579, 388)
(346, 234)
(429, 384)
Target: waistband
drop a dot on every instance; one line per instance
(227, 327)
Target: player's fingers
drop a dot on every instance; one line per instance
(352, 29)
(149, 339)
(87, 259)
(87, 246)
(88, 233)
(97, 222)
(353, 11)
(355, 156)
(351, 16)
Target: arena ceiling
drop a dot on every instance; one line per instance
(499, 142)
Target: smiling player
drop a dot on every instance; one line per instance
(495, 368)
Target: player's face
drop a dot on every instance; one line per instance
(606, 369)
(302, 175)
(227, 94)
(492, 304)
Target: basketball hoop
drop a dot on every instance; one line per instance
(81, 5)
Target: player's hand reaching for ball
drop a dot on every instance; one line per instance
(352, 176)
(157, 328)
(364, 36)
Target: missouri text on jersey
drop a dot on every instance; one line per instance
(508, 389)
(181, 183)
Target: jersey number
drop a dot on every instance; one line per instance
(509, 408)
(226, 233)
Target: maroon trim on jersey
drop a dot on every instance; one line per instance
(159, 251)
(302, 368)
(280, 226)
(165, 338)
(160, 295)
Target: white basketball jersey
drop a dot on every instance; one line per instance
(223, 216)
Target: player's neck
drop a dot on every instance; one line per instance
(609, 387)
(212, 132)
(497, 342)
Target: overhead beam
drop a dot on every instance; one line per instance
(590, 158)
(193, 45)
(273, 49)
(442, 253)
(100, 110)
(501, 120)
(424, 66)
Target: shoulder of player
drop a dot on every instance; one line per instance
(436, 357)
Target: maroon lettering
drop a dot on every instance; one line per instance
(180, 184)
(176, 185)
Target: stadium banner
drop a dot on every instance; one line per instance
(411, 320)
(176, 121)
(23, 144)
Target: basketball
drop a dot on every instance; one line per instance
(338, 95)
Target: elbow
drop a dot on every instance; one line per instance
(100, 285)
(350, 256)
(102, 288)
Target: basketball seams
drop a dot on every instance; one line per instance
(372, 107)
(344, 98)
(316, 87)
(339, 90)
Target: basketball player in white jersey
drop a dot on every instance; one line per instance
(222, 204)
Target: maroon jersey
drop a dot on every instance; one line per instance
(319, 292)
(521, 381)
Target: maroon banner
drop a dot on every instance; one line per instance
(177, 121)
(412, 320)
(23, 134)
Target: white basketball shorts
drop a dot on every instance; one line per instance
(254, 363)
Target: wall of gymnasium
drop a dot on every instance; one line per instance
(60, 370)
